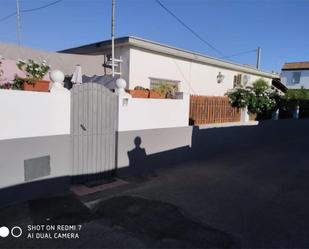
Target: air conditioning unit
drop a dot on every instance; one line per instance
(241, 80)
(245, 79)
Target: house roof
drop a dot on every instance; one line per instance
(304, 65)
(91, 64)
(278, 84)
(135, 42)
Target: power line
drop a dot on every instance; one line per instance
(189, 28)
(42, 7)
(29, 10)
(241, 53)
(8, 16)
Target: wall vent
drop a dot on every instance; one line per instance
(36, 167)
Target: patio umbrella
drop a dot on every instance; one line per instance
(77, 75)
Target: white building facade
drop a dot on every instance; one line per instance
(147, 64)
(295, 75)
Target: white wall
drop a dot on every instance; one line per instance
(286, 79)
(195, 78)
(33, 114)
(141, 114)
(123, 53)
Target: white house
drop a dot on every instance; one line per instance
(147, 64)
(295, 74)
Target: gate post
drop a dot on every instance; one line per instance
(244, 116)
(57, 78)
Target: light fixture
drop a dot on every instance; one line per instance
(220, 78)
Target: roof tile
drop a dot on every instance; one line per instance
(296, 65)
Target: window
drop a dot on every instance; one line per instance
(155, 82)
(237, 80)
(296, 78)
(241, 80)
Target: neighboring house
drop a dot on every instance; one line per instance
(148, 64)
(10, 53)
(295, 74)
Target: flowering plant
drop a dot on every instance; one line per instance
(34, 71)
(240, 97)
(264, 99)
(259, 98)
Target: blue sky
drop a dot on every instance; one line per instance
(279, 27)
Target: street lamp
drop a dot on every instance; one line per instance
(220, 78)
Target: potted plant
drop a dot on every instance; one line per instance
(165, 91)
(35, 73)
(139, 92)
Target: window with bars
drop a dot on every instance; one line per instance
(237, 80)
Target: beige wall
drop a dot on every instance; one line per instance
(195, 78)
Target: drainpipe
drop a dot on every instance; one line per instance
(113, 38)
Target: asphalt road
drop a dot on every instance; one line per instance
(257, 198)
(260, 197)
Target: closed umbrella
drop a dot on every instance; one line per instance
(77, 77)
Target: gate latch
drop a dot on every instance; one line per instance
(83, 127)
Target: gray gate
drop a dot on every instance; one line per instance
(94, 121)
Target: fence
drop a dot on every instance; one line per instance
(207, 110)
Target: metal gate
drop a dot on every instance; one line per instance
(94, 119)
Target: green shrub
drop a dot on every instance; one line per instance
(297, 94)
(259, 98)
(140, 88)
(240, 97)
(264, 99)
(294, 98)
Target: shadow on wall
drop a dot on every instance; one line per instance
(143, 165)
(137, 158)
(207, 144)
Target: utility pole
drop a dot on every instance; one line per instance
(18, 21)
(258, 58)
(113, 38)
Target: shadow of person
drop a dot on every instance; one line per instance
(138, 160)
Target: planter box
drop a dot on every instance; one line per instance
(155, 95)
(145, 94)
(38, 86)
(139, 93)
